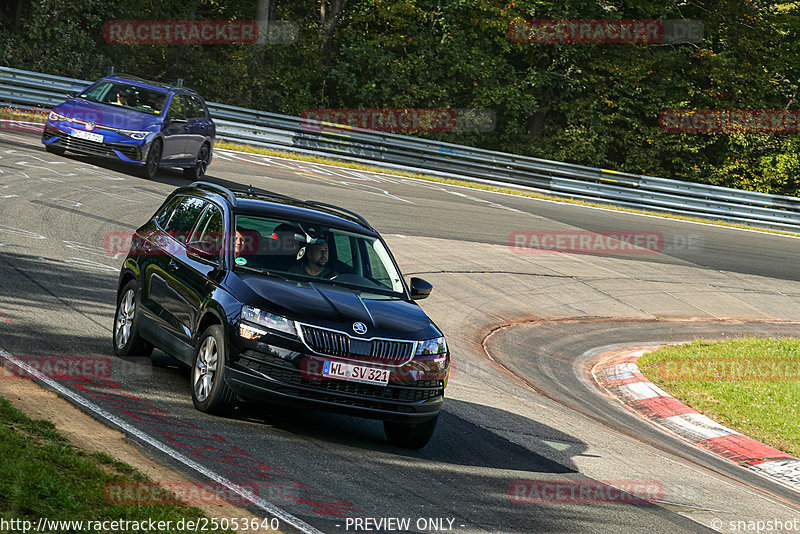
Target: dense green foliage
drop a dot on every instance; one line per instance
(596, 104)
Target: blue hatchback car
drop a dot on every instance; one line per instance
(143, 123)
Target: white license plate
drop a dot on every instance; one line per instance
(355, 373)
(97, 138)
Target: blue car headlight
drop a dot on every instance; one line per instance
(265, 319)
(56, 117)
(134, 134)
(436, 345)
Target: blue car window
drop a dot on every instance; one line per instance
(176, 107)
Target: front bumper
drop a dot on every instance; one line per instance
(127, 152)
(284, 376)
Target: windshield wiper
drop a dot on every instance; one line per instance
(263, 271)
(254, 269)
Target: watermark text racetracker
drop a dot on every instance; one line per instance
(192, 493)
(395, 120)
(67, 365)
(601, 242)
(756, 368)
(605, 31)
(200, 524)
(585, 491)
(730, 121)
(178, 32)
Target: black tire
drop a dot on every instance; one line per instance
(410, 435)
(125, 333)
(153, 160)
(57, 150)
(210, 393)
(198, 170)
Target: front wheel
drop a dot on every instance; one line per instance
(410, 435)
(210, 393)
(126, 325)
(153, 160)
(198, 170)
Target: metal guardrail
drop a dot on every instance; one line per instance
(25, 89)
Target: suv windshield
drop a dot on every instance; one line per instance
(307, 251)
(127, 96)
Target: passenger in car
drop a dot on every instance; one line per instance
(314, 262)
(122, 98)
(246, 242)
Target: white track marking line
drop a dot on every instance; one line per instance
(26, 164)
(24, 233)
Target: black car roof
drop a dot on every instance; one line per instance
(281, 206)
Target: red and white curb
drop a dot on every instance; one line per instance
(619, 375)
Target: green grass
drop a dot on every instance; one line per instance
(44, 476)
(751, 385)
(221, 143)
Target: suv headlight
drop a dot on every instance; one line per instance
(53, 116)
(431, 346)
(265, 319)
(135, 134)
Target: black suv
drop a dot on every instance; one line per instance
(268, 297)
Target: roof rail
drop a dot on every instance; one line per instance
(157, 83)
(218, 188)
(358, 217)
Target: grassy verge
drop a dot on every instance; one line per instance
(221, 143)
(23, 114)
(44, 476)
(751, 385)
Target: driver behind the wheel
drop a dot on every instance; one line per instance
(314, 262)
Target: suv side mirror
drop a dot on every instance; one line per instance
(206, 250)
(420, 289)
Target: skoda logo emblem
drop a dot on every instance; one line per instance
(359, 328)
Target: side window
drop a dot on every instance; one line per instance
(188, 106)
(176, 107)
(202, 112)
(209, 227)
(344, 251)
(192, 107)
(183, 217)
(198, 109)
(163, 216)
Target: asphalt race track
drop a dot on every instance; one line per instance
(520, 404)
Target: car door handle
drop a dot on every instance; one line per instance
(173, 265)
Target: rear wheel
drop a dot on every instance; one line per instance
(210, 393)
(126, 325)
(410, 435)
(153, 160)
(58, 151)
(200, 165)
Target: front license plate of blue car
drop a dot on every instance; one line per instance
(355, 373)
(97, 138)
